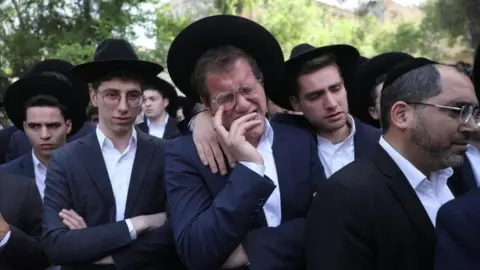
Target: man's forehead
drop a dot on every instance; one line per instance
(456, 86)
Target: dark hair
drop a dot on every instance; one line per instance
(219, 60)
(415, 86)
(47, 101)
(373, 93)
(123, 75)
(154, 88)
(313, 65)
(464, 68)
(91, 111)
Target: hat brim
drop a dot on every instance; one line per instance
(346, 57)
(90, 72)
(221, 30)
(476, 72)
(168, 90)
(33, 85)
(365, 80)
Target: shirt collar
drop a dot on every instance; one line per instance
(36, 162)
(104, 141)
(349, 139)
(149, 123)
(413, 175)
(267, 136)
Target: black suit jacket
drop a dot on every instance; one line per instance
(365, 139)
(463, 180)
(20, 166)
(5, 135)
(19, 144)
(458, 236)
(21, 207)
(171, 129)
(78, 179)
(367, 216)
(212, 214)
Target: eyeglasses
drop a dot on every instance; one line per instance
(466, 112)
(112, 98)
(228, 99)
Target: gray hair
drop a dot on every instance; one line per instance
(415, 86)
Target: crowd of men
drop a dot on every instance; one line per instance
(327, 160)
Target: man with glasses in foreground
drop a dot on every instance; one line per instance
(379, 213)
(104, 197)
(252, 217)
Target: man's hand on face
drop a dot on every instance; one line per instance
(235, 139)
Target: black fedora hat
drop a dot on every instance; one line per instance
(221, 30)
(167, 89)
(365, 80)
(346, 57)
(31, 85)
(48, 66)
(115, 55)
(476, 72)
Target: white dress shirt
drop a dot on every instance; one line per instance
(433, 191)
(473, 155)
(119, 167)
(336, 156)
(273, 207)
(157, 130)
(40, 174)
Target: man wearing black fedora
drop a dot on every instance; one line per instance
(19, 144)
(46, 109)
(317, 82)
(253, 216)
(160, 108)
(368, 84)
(104, 205)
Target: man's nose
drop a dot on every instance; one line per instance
(45, 134)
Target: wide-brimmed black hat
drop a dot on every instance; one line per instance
(19, 92)
(476, 72)
(346, 57)
(64, 68)
(221, 30)
(167, 89)
(365, 80)
(114, 55)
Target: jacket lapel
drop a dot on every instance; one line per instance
(28, 168)
(404, 193)
(283, 164)
(143, 127)
(171, 129)
(92, 156)
(364, 140)
(143, 156)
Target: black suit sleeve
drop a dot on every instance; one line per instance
(339, 229)
(455, 243)
(24, 247)
(155, 247)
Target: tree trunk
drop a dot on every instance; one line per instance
(473, 20)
